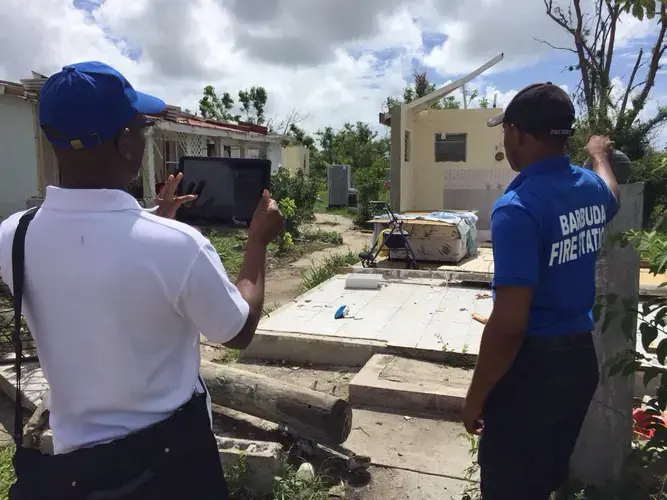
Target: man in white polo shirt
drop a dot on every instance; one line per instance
(116, 297)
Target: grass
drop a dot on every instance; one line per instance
(230, 245)
(6, 470)
(286, 487)
(329, 237)
(322, 205)
(227, 356)
(328, 268)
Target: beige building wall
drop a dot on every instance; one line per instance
(296, 158)
(410, 156)
(473, 184)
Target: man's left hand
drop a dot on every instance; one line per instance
(472, 418)
(167, 201)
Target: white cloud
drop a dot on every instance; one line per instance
(335, 61)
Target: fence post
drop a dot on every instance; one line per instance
(605, 438)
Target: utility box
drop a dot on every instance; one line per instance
(339, 182)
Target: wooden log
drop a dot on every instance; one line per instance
(306, 413)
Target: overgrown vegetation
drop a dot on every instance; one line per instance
(6, 470)
(227, 356)
(328, 268)
(287, 486)
(299, 188)
(331, 237)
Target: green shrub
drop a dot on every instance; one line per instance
(301, 189)
(651, 170)
(370, 184)
(288, 208)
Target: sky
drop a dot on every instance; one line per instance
(333, 61)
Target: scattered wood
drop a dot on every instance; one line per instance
(479, 318)
(307, 413)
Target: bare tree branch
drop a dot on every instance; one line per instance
(579, 43)
(554, 46)
(614, 13)
(282, 127)
(628, 91)
(656, 53)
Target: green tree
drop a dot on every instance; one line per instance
(357, 145)
(253, 102)
(594, 38)
(450, 102)
(216, 108)
(251, 105)
(421, 87)
(296, 135)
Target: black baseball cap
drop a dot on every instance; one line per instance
(540, 108)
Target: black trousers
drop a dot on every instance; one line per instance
(174, 459)
(532, 418)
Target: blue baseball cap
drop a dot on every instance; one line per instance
(86, 104)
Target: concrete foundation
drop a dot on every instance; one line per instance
(411, 387)
(304, 349)
(413, 316)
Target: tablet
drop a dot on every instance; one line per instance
(228, 189)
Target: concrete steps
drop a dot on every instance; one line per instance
(411, 387)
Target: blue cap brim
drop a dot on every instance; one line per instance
(149, 105)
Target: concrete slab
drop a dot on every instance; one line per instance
(306, 349)
(427, 446)
(33, 384)
(415, 314)
(411, 387)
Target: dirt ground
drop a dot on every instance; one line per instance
(413, 458)
(283, 284)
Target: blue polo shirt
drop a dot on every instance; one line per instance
(546, 232)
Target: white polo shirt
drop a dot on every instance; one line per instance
(115, 298)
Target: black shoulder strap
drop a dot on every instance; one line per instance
(18, 267)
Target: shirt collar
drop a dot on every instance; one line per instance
(89, 200)
(539, 167)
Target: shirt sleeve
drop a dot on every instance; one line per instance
(210, 300)
(517, 246)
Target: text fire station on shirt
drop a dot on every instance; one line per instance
(584, 229)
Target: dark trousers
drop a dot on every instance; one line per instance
(532, 418)
(174, 459)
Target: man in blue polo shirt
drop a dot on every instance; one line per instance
(537, 369)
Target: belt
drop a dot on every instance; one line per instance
(584, 339)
